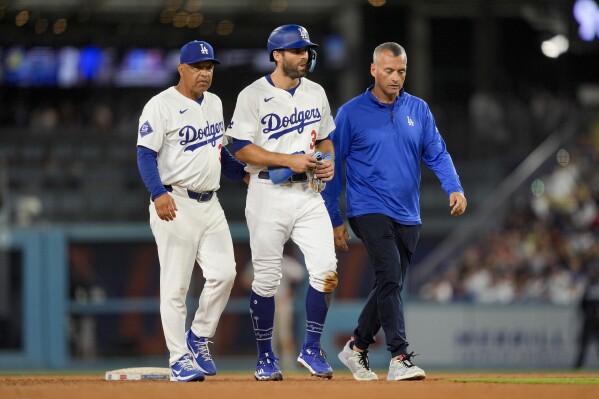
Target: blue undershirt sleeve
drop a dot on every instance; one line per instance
(239, 144)
(231, 167)
(148, 168)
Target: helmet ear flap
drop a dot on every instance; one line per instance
(311, 59)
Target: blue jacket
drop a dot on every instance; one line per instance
(382, 150)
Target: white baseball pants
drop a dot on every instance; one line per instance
(199, 233)
(277, 212)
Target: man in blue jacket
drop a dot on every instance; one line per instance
(382, 136)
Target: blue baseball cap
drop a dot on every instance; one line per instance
(197, 51)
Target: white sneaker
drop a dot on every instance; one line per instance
(357, 363)
(402, 368)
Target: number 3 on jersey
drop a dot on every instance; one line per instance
(313, 143)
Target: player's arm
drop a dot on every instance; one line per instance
(148, 169)
(252, 154)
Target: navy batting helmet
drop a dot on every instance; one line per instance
(292, 36)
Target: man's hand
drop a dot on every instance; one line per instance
(457, 203)
(325, 170)
(301, 162)
(340, 235)
(165, 207)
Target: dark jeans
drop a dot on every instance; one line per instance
(390, 246)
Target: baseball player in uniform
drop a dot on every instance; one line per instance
(180, 146)
(279, 122)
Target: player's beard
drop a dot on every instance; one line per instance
(293, 71)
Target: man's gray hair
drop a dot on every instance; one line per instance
(392, 47)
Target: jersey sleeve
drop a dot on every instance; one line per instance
(327, 122)
(152, 126)
(245, 117)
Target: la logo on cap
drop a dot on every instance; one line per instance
(303, 33)
(197, 51)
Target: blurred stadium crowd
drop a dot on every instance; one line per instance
(547, 246)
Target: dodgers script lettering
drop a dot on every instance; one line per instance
(201, 136)
(277, 125)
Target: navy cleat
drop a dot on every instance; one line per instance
(200, 352)
(315, 359)
(267, 368)
(185, 370)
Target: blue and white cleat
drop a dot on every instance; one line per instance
(185, 369)
(200, 352)
(315, 359)
(267, 368)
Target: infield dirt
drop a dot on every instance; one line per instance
(298, 386)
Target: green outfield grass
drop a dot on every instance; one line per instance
(531, 380)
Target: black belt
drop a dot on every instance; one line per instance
(200, 197)
(295, 178)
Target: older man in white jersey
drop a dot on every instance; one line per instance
(180, 146)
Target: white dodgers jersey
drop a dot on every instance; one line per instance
(187, 136)
(277, 121)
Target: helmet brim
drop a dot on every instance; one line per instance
(298, 44)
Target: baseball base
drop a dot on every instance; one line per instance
(139, 373)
